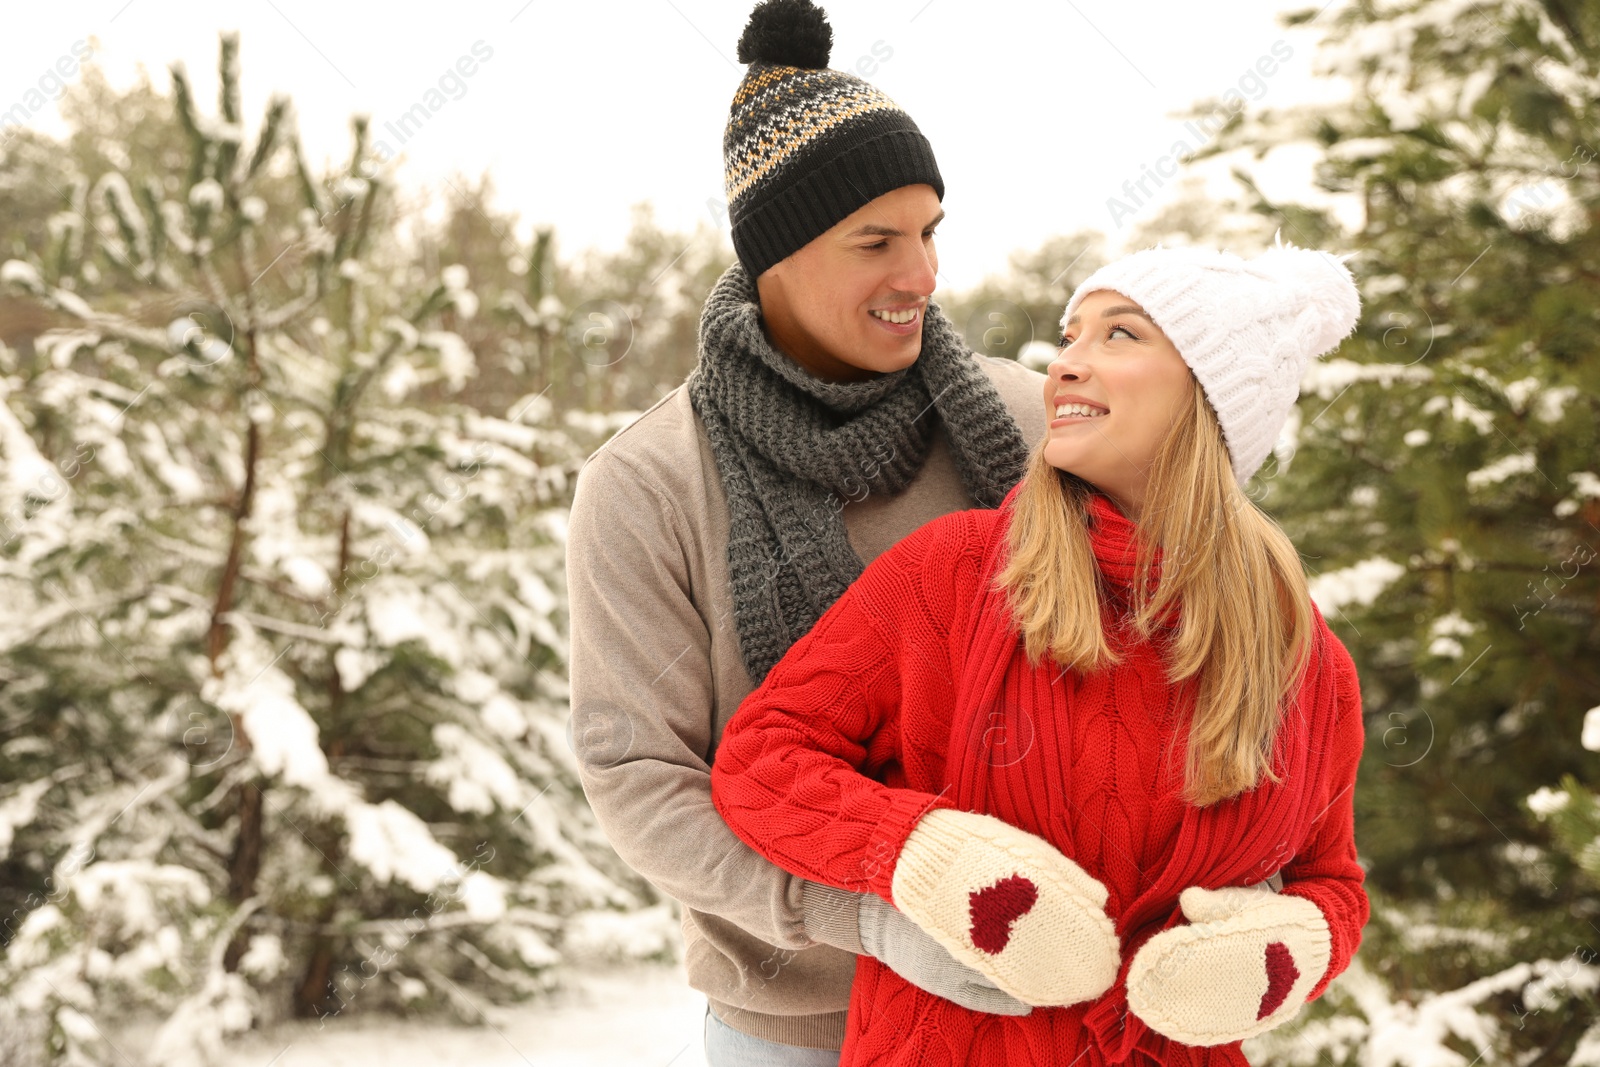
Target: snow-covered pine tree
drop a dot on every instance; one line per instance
(282, 709)
(1444, 486)
(1019, 311)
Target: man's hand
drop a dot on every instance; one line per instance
(907, 950)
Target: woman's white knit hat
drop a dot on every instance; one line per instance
(1248, 329)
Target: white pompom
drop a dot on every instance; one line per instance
(1323, 283)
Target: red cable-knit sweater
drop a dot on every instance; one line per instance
(913, 691)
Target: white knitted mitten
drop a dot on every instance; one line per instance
(1244, 965)
(1008, 905)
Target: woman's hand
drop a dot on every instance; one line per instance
(1244, 965)
(1009, 905)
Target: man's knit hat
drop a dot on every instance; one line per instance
(1248, 329)
(806, 146)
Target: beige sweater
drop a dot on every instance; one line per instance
(656, 674)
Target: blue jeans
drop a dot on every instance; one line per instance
(727, 1047)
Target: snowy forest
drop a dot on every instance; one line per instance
(287, 454)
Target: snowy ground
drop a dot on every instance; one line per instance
(640, 1015)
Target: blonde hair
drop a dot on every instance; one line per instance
(1245, 627)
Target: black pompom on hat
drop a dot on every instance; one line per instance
(791, 33)
(805, 146)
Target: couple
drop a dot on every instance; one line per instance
(972, 715)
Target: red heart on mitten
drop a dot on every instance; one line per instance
(1281, 976)
(995, 908)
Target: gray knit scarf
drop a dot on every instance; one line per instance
(793, 448)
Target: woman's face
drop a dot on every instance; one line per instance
(1112, 393)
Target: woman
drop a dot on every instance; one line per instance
(1073, 736)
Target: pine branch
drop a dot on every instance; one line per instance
(317, 634)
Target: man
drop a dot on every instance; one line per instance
(833, 411)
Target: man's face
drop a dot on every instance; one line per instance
(832, 306)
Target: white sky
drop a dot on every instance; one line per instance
(1037, 111)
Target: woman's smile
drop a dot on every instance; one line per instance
(1071, 408)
